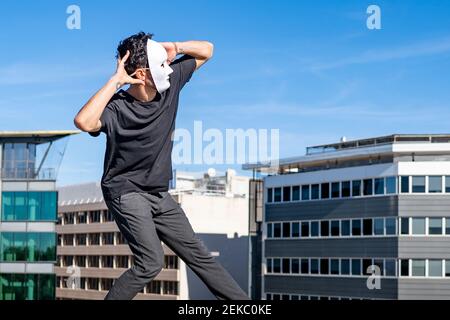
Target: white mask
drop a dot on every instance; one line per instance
(159, 68)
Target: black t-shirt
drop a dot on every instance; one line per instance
(139, 137)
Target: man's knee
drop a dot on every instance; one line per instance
(149, 269)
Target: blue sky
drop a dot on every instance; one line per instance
(309, 68)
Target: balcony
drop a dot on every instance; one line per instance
(44, 174)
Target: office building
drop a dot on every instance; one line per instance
(363, 219)
(92, 253)
(29, 165)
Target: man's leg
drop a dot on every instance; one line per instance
(176, 232)
(133, 215)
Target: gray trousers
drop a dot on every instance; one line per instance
(145, 219)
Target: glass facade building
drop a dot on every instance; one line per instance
(28, 202)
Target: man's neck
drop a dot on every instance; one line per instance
(142, 93)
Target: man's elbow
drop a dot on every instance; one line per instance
(210, 50)
(82, 124)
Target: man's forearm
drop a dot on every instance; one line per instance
(198, 49)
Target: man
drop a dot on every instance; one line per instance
(139, 123)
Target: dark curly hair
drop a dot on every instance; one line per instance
(137, 45)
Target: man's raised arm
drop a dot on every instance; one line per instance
(202, 51)
(88, 118)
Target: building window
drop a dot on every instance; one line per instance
(286, 264)
(435, 184)
(380, 264)
(120, 239)
(286, 229)
(447, 226)
(94, 239)
(345, 266)
(29, 206)
(367, 266)
(277, 195)
(335, 190)
(447, 268)
(108, 238)
(314, 268)
(27, 247)
(335, 228)
(305, 192)
(404, 182)
(269, 230)
(404, 226)
(314, 229)
(418, 226)
(315, 191)
(404, 268)
(356, 267)
(81, 218)
(334, 266)
(325, 228)
(68, 239)
(108, 216)
(154, 287)
(390, 268)
(286, 194)
(16, 286)
(81, 239)
(106, 284)
(295, 193)
(122, 262)
(324, 266)
(295, 229)
(94, 262)
(276, 265)
(435, 226)
(367, 227)
(378, 226)
(325, 191)
(67, 261)
(447, 184)
(356, 227)
(295, 266)
(435, 268)
(277, 230)
(356, 188)
(80, 261)
(368, 187)
(92, 283)
(305, 229)
(418, 184)
(391, 187)
(379, 186)
(269, 265)
(345, 189)
(170, 287)
(107, 261)
(391, 226)
(94, 216)
(418, 268)
(345, 228)
(269, 195)
(304, 266)
(69, 218)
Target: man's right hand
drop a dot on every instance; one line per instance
(121, 76)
